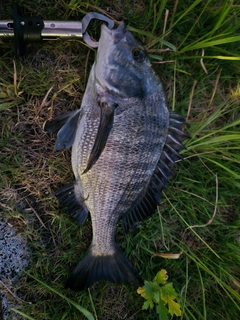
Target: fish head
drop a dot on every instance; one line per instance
(122, 73)
(122, 66)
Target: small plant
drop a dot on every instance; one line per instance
(162, 294)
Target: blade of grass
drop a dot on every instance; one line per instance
(22, 314)
(92, 304)
(194, 25)
(233, 173)
(184, 290)
(185, 13)
(229, 58)
(158, 12)
(209, 43)
(149, 35)
(226, 7)
(203, 294)
(227, 289)
(86, 313)
(192, 230)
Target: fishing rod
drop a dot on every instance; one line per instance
(29, 29)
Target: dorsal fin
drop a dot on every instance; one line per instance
(147, 205)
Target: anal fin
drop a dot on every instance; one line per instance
(74, 207)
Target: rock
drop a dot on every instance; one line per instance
(14, 258)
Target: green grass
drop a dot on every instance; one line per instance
(194, 47)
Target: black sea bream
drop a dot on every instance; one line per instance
(124, 141)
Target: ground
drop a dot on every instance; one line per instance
(194, 49)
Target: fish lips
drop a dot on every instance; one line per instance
(113, 35)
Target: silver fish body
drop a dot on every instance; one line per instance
(124, 142)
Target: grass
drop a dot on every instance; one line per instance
(194, 47)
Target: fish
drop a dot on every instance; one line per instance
(125, 143)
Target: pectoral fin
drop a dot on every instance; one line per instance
(66, 126)
(105, 126)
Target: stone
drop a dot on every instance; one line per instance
(14, 259)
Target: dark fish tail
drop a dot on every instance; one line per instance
(114, 268)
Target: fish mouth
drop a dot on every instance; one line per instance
(113, 35)
(107, 50)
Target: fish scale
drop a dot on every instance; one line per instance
(124, 143)
(118, 191)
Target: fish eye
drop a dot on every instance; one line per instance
(138, 54)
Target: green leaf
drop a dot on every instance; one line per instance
(174, 308)
(148, 304)
(161, 276)
(168, 290)
(141, 291)
(162, 311)
(156, 297)
(145, 305)
(150, 287)
(168, 295)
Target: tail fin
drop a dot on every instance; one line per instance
(114, 268)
